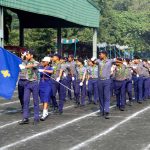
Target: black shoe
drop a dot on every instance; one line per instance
(43, 118)
(107, 116)
(35, 122)
(140, 102)
(24, 121)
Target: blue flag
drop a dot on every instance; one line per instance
(9, 71)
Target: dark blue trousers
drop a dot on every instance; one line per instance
(146, 87)
(129, 89)
(21, 86)
(138, 88)
(69, 82)
(93, 89)
(63, 89)
(80, 90)
(120, 91)
(31, 87)
(112, 87)
(104, 95)
(56, 87)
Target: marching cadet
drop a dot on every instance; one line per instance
(104, 83)
(146, 79)
(138, 79)
(64, 79)
(31, 86)
(128, 80)
(45, 86)
(56, 86)
(92, 73)
(22, 81)
(120, 84)
(112, 80)
(72, 74)
(80, 85)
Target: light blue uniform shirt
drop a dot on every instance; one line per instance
(105, 68)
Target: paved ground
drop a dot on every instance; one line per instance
(77, 128)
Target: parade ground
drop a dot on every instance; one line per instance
(77, 128)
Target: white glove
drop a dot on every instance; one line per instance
(21, 66)
(86, 82)
(93, 58)
(137, 75)
(58, 79)
(24, 54)
(134, 67)
(41, 70)
(73, 78)
(64, 74)
(125, 63)
(114, 59)
(81, 84)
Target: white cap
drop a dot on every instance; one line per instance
(46, 59)
(93, 58)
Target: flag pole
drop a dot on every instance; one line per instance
(58, 82)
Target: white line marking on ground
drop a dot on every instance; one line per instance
(8, 103)
(14, 102)
(147, 147)
(100, 135)
(29, 138)
(15, 122)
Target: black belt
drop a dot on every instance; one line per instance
(23, 79)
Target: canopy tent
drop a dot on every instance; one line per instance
(53, 14)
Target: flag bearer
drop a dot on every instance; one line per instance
(80, 85)
(92, 81)
(120, 84)
(45, 86)
(31, 87)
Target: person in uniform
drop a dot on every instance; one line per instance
(31, 87)
(128, 80)
(80, 85)
(138, 69)
(56, 86)
(71, 75)
(92, 75)
(146, 78)
(104, 83)
(45, 86)
(22, 81)
(120, 84)
(64, 79)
